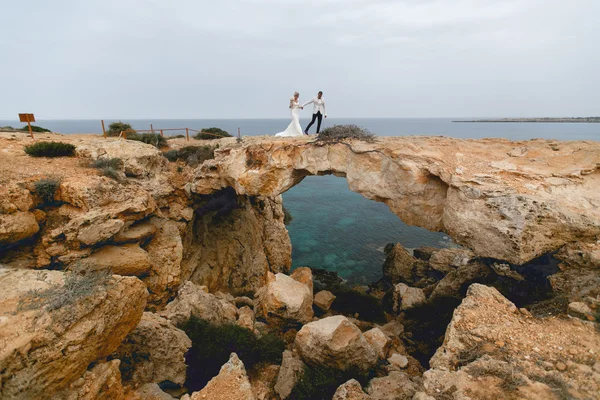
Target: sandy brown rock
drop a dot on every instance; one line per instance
(335, 342)
(42, 351)
(263, 382)
(136, 233)
(507, 350)
(17, 226)
(303, 275)
(195, 300)
(379, 341)
(324, 299)
(149, 391)
(350, 390)
(154, 351)
(406, 297)
(102, 382)
(395, 386)
(399, 265)
(231, 384)
(471, 189)
(284, 300)
(127, 260)
(246, 318)
(289, 374)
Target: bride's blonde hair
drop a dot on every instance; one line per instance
(292, 99)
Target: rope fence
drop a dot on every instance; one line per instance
(123, 134)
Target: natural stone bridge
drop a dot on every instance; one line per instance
(506, 200)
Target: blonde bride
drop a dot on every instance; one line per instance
(294, 128)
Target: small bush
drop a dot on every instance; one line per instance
(321, 383)
(155, 139)
(176, 137)
(212, 133)
(46, 188)
(116, 128)
(287, 216)
(50, 149)
(7, 128)
(35, 128)
(338, 133)
(192, 155)
(212, 346)
(76, 287)
(110, 167)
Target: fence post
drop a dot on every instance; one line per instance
(161, 133)
(187, 135)
(239, 136)
(152, 129)
(103, 130)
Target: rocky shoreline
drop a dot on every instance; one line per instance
(113, 285)
(584, 120)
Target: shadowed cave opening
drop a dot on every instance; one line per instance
(341, 231)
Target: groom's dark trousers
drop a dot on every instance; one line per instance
(318, 116)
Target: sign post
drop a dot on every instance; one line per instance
(103, 130)
(29, 118)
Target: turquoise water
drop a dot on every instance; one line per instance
(339, 230)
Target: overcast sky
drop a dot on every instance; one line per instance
(244, 58)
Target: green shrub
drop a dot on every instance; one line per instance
(7, 128)
(35, 128)
(46, 188)
(212, 133)
(116, 128)
(176, 137)
(155, 139)
(321, 383)
(338, 133)
(212, 346)
(50, 149)
(192, 155)
(287, 216)
(110, 167)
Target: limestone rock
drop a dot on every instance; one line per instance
(99, 232)
(151, 391)
(501, 207)
(17, 226)
(102, 382)
(128, 260)
(398, 360)
(580, 310)
(379, 341)
(350, 390)
(231, 384)
(576, 284)
(335, 342)
(324, 299)
(252, 242)
(447, 260)
(137, 233)
(303, 275)
(406, 297)
(246, 318)
(284, 300)
(290, 373)
(399, 265)
(393, 328)
(57, 335)
(263, 381)
(454, 281)
(194, 300)
(486, 329)
(154, 351)
(395, 386)
(580, 255)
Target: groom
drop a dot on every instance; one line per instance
(318, 111)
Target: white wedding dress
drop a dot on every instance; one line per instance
(294, 128)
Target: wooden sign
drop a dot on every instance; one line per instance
(26, 118)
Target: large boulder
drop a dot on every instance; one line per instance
(284, 300)
(456, 281)
(128, 260)
(195, 300)
(102, 382)
(324, 299)
(290, 373)
(154, 351)
(379, 340)
(399, 265)
(335, 342)
(54, 325)
(406, 297)
(508, 350)
(17, 226)
(231, 384)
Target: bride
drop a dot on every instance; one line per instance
(294, 128)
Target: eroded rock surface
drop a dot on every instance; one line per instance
(231, 384)
(335, 342)
(284, 300)
(47, 341)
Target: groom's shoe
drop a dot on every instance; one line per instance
(306, 133)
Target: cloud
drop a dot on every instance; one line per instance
(239, 59)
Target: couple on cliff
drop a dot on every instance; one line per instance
(294, 128)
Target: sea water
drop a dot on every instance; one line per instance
(332, 227)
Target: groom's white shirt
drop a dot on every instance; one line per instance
(318, 105)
